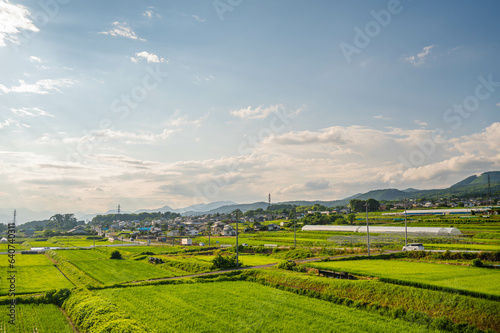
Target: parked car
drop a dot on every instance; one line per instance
(202, 244)
(413, 247)
(244, 244)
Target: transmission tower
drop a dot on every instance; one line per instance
(119, 210)
(15, 214)
(269, 201)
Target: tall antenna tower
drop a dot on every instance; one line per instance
(269, 200)
(15, 214)
(119, 210)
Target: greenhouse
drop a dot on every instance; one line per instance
(386, 230)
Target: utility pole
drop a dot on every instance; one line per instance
(209, 232)
(237, 262)
(367, 229)
(93, 231)
(406, 227)
(294, 236)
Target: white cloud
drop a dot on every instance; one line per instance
(197, 18)
(382, 117)
(199, 80)
(121, 30)
(35, 59)
(177, 120)
(260, 112)
(310, 186)
(39, 87)
(420, 58)
(129, 138)
(13, 20)
(8, 122)
(420, 123)
(150, 14)
(149, 57)
(31, 112)
(498, 104)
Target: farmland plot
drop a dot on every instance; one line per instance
(34, 273)
(451, 276)
(116, 271)
(242, 306)
(43, 318)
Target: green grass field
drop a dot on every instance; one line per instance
(245, 259)
(242, 306)
(481, 280)
(34, 273)
(43, 318)
(474, 247)
(116, 271)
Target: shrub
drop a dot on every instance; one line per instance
(223, 262)
(116, 255)
(56, 297)
(477, 263)
(291, 266)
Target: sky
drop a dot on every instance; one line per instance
(151, 103)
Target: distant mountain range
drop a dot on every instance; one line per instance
(473, 185)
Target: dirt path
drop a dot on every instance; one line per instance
(70, 322)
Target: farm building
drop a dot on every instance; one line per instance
(3, 240)
(386, 230)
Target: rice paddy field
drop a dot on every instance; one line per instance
(242, 306)
(474, 279)
(34, 273)
(118, 271)
(42, 318)
(65, 241)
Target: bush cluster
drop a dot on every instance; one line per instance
(116, 255)
(291, 266)
(223, 262)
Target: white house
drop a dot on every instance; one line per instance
(228, 231)
(193, 232)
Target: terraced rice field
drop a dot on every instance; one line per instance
(242, 306)
(34, 273)
(481, 280)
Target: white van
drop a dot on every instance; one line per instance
(413, 247)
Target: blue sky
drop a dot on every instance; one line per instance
(152, 103)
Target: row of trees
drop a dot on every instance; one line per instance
(360, 205)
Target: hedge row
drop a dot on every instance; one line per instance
(90, 313)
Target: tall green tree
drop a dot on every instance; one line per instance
(357, 205)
